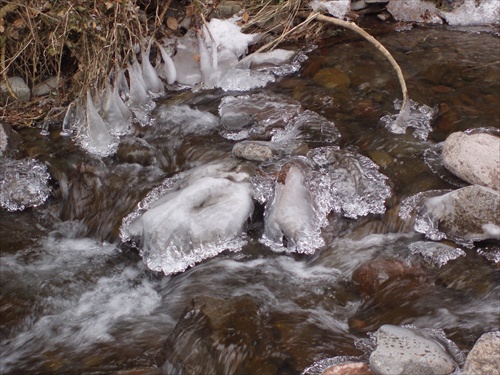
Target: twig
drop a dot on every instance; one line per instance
(352, 26)
(4, 70)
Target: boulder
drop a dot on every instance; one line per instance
(484, 358)
(469, 213)
(474, 158)
(401, 351)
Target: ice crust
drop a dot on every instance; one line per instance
(414, 116)
(436, 253)
(191, 217)
(23, 183)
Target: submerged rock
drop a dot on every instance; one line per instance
(350, 368)
(484, 358)
(466, 214)
(474, 158)
(217, 336)
(401, 351)
(253, 150)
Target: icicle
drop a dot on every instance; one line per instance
(209, 75)
(100, 140)
(153, 82)
(121, 83)
(115, 117)
(168, 67)
(73, 119)
(138, 94)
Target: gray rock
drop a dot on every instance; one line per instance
(469, 213)
(4, 140)
(474, 158)
(227, 9)
(401, 351)
(19, 88)
(50, 85)
(249, 150)
(484, 358)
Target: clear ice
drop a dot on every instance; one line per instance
(23, 183)
(414, 116)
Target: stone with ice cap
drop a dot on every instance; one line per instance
(191, 224)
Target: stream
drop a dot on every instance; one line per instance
(77, 297)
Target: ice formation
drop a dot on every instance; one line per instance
(436, 253)
(337, 8)
(191, 217)
(414, 116)
(291, 214)
(23, 183)
(355, 186)
(470, 12)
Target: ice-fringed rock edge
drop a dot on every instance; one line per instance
(191, 217)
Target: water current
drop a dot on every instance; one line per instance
(77, 297)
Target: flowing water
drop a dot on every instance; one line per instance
(75, 299)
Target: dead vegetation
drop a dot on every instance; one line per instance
(81, 42)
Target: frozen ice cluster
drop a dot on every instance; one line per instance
(23, 183)
(203, 211)
(211, 57)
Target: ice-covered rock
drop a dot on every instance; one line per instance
(402, 351)
(463, 215)
(248, 116)
(474, 158)
(271, 58)
(23, 183)
(466, 13)
(355, 186)
(436, 253)
(184, 120)
(191, 217)
(291, 214)
(484, 358)
(337, 8)
(227, 34)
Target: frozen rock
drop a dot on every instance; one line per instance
(229, 35)
(466, 13)
(436, 253)
(356, 187)
(253, 150)
(274, 57)
(192, 223)
(337, 8)
(474, 158)
(484, 358)
(464, 215)
(50, 85)
(414, 11)
(182, 119)
(19, 88)
(401, 351)
(291, 214)
(23, 183)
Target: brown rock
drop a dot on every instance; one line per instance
(351, 368)
(332, 78)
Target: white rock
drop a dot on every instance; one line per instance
(474, 158)
(19, 88)
(401, 351)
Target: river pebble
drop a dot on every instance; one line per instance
(401, 351)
